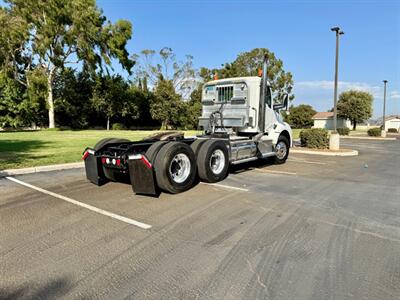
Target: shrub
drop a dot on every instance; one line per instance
(314, 138)
(374, 132)
(392, 130)
(118, 126)
(343, 131)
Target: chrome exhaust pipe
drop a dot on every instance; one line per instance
(263, 93)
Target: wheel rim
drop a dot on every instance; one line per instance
(179, 168)
(217, 161)
(281, 150)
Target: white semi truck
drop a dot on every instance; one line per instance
(241, 122)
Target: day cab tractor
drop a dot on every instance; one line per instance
(241, 122)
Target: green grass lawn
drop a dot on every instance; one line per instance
(38, 148)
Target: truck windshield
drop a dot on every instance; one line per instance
(268, 97)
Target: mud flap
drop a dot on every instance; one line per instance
(94, 168)
(142, 175)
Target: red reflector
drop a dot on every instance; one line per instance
(103, 160)
(118, 162)
(86, 154)
(146, 161)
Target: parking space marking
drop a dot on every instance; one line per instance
(307, 161)
(377, 147)
(275, 172)
(226, 186)
(84, 205)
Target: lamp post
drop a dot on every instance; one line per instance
(384, 108)
(334, 138)
(338, 33)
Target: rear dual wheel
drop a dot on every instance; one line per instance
(175, 167)
(213, 161)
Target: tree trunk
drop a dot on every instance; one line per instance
(108, 123)
(163, 125)
(354, 125)
(50, 101)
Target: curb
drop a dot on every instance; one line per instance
(368, 138)
(350, 153)
(11, 172)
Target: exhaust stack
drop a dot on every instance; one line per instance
(261, 107)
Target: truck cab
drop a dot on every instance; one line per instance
(239, 100)
(244, 108)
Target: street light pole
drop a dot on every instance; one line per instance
(384, 104)
(334, 138)
(338, 33)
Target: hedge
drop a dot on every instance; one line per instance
(392, 130)
(374, 132)
(314, 138)
(118, 126)
(343, 131)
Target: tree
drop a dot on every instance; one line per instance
(300, 116)
(52, 34)
(150, 65)
(194, 108)
(248, 64)
(71, 94)
(20, 106)
(112, 97)
(11, 98)
(166, 104)
(144, 85)
(355, 106)
(143, 99)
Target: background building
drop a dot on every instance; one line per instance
(391, 122)
(325, 120)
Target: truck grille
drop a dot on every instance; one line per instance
(225, 93)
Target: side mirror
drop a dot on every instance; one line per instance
(284, 104)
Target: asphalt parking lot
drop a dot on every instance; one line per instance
(314, 228)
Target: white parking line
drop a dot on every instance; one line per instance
(363, 146)
(227, 186)
(307, 161)
(84, 205)
(275, 172)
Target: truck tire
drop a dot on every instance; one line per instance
(213, 161)
(175, 167)
(103, 142)
(196, 145)
(281, 150)
(152, 152)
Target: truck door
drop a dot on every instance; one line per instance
(269, 112)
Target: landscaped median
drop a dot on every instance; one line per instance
(326, 152)
(373, 133)
(41, 148)
(374, 138)
(316, 141)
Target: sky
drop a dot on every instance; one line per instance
(298, 32)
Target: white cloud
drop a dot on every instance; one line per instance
(342, 86)
(319, 94)
(394, 95)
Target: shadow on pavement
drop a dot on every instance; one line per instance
(51, 290)
(255, 164)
